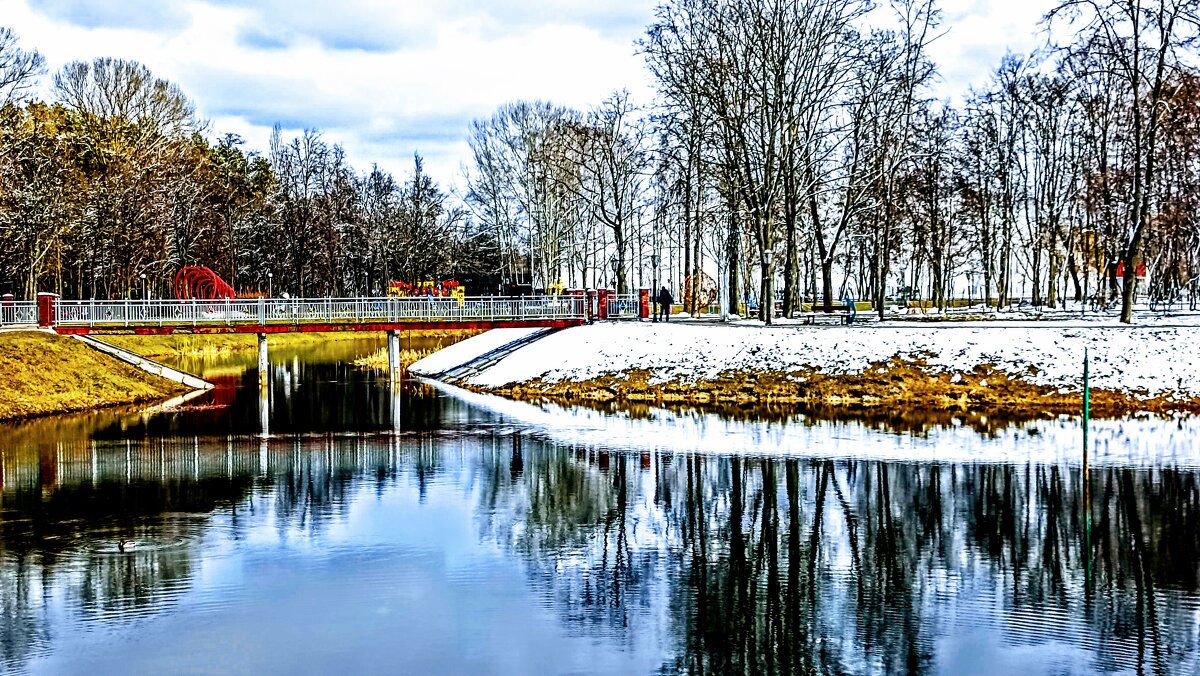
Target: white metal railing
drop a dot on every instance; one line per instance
(624, 306)
(263, 311)
(18, 313)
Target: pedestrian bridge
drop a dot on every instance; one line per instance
(286, 315)
(265, 316)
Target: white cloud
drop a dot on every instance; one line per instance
(977, 35)
(386, 79)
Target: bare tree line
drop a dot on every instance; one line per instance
(796, 154)
(799, 144)
(112, 186)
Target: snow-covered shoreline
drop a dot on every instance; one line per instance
(1152, 359)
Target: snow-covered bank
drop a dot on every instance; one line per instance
(1152, 359)
(468, 350)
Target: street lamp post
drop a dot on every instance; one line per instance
(766, 306)
(270, 279)
(144, 294)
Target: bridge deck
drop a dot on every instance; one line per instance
(413, 325)
(280, 315)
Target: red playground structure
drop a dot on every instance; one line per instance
(201, 283)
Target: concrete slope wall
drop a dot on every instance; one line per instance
(146, 365)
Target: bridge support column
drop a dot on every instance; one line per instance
(393, 339)
(396, 405)
(264, 410)
(264, 372)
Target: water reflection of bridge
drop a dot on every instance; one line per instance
(158, 460)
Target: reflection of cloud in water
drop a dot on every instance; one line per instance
(1137, 442)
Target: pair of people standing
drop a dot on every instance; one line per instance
(664, 304)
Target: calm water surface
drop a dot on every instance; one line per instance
(425, 531)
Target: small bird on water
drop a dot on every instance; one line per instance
(122, 543)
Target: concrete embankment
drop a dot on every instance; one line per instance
(42, 374)
(148, 365)
(1024, 369)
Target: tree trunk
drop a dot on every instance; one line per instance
(790, 266)
(766, 306)
(687, 234)
(732, 261)
(1129, 288)
(827, 282)
(697, 270)
(619, 242)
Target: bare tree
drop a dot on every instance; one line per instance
(19, 68)
(611, 154)
(1138, 43)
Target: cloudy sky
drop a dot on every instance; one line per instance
(387, 78)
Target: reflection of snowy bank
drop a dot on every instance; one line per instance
(1154, 359)
(1138, 442)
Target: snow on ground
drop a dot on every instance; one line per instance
(468, 350)
(1155, 358)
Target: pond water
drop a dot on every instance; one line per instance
(427, 530)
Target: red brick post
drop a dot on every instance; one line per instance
(47, 309)
(643, 304)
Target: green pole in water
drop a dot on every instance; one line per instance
(1087, 503)
(1087, 396)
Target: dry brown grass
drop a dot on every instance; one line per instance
(42, 373)
(378, 360)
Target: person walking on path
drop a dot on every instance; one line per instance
(664, 304)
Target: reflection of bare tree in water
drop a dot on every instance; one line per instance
(848, 566)
(761, 566)
(65, 515)
(59, 538)
(866, 550)
(567, 513)
(23, 624)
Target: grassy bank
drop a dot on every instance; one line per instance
(43, 374)
(896, 386)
